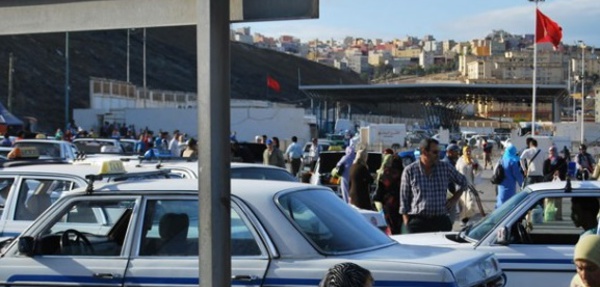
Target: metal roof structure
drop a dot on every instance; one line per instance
(434, 92)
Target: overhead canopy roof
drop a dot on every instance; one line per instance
(437, 92)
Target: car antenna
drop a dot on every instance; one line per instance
(568, 188)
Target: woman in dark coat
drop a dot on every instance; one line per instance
(360, 181)
(387, 196)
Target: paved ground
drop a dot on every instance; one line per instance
(488, 197)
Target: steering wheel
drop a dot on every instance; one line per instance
(81, 242)
(523, 234)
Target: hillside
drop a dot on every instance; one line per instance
(39, 69)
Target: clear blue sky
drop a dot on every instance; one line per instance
(459, 20)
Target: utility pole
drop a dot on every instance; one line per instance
(128, 44)
(144, 60)
(10, 82)
(144, 67)
(67, 87)
(582, 45)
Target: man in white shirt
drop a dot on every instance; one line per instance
(174, 144)
(313, 153)
(532, 163)
(294, 154)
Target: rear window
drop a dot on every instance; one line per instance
(262, 174)
(329, 229)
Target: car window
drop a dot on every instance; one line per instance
(171, 229)
(483, 227)
(87, 227)
(37, 194)
(128, 147)
(555, 221)
(262, 174)
(328, 229)
(5, 187)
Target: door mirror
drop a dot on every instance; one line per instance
(26, 245)
(502, 236)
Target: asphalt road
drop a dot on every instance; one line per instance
(488, 197)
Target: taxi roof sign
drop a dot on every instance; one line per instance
(112, 167)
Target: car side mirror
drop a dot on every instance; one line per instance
(502, 236)
(26, 245)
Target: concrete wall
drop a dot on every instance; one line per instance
(247, 122)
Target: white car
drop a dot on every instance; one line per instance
(186, 169)
(282, 234)
(51, 149)
(99, 145)
(529, 241)
(27, 189)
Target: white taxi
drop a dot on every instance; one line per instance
(51, 149)
(27, 188)
(282, 234)
(532, 234)
(189, 169)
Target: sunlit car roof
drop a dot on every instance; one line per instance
(250, 188)
(560, 185)
(72, 169)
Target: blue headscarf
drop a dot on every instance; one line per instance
(510, 154)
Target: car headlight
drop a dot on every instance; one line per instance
(479, 273)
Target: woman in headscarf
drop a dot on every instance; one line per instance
(512, 175)
(344, 167)
(555, 168)
(192, 149)
(587, 262)
(387, 193)
(468, 166)
(360, 181)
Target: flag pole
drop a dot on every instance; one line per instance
(267, 88)
(534, 88)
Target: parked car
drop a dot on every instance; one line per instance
(186, 169)
(28, 188)
(529, 241)
(99, 145)
(323, 143)
(51, 149)
(282, 234)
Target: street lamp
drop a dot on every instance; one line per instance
(582, 45)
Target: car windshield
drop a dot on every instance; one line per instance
(328, 229)
(483, 227)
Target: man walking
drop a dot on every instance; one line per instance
(294, 155)
(273, 155)
(452, 155)
(532, 163)
(423, 188)
(313, 154)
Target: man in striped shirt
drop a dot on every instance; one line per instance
(423, 187)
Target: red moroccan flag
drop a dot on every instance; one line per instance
(547, 30)
(273, 84)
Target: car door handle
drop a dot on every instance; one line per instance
(104, 275)
(245, 278)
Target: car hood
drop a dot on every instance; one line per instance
(453, 259)
(430, 239)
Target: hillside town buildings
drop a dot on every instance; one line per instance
(499, 58)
